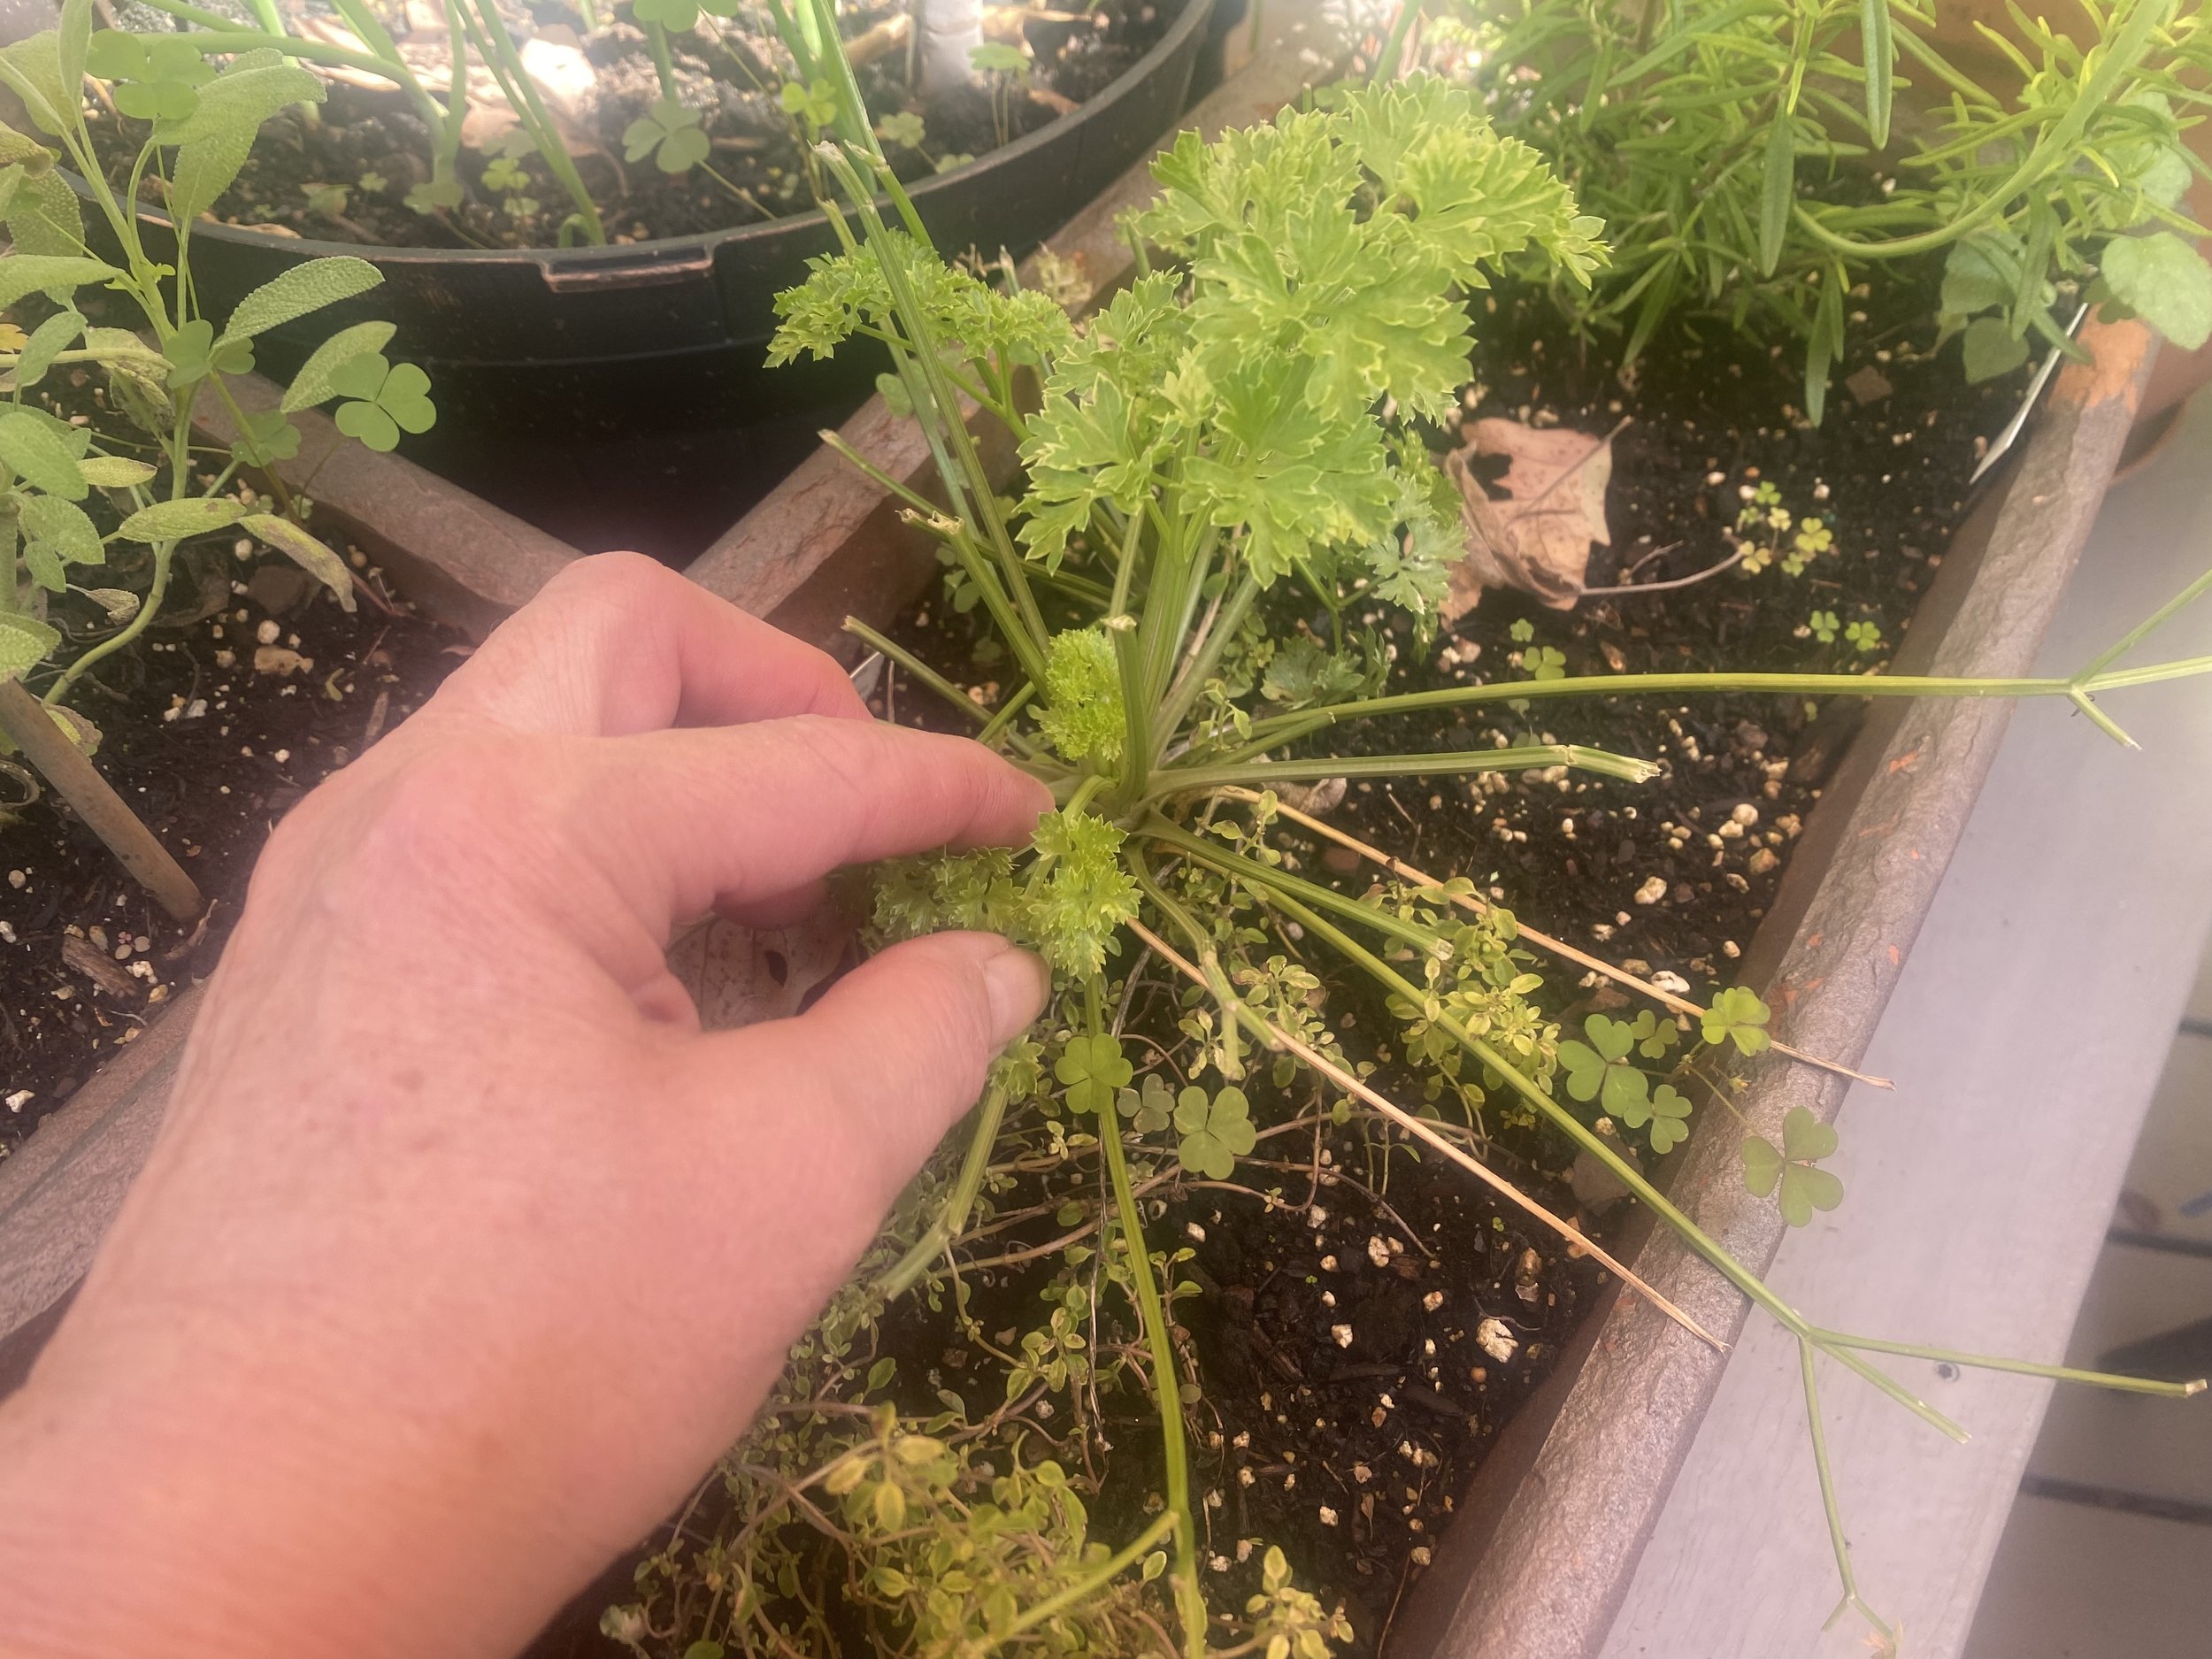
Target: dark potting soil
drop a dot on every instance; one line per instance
(1350, 1451)
(342, 172)
(210, 735)
(1676, 873)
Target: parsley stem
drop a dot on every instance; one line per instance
(914, 666)
(1837, 1545)
(1167, 1393)
(1261, 774)
(2018, 1367)
(953, 1216)
(1106, 1573)
(1013, 705)
(1282, 728)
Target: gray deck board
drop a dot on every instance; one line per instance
(2027, 1039)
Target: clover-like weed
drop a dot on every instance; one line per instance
(1737, 1015)
(152, 77)
(1215, 1131)
(1601, 1070)
(1804, 1187)
(1094, 1072)
(386, 399)
(671, 134)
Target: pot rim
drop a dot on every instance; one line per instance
(675, 249)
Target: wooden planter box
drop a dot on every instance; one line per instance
(1545, 1545)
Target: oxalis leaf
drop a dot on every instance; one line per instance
(1600, 1070)
(1215, 1132)
(194, 353)
(2163, 281)
(174, 520)
(303, 288)
(1737, 1015)
(1093, 1071)
(304, 551)
(1805, 1141)
(391, 398)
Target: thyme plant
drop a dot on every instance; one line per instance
(202, 122)
(1222, 431)
(1759, 160)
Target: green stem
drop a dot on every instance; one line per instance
(1268, 733)
(1262, 774)
(981, 506)
(663, 61)
(1137, 740)
(1125, 572)
(1189, 1600)
(1092, 1582)
(914, 666)
(2136, 635)
(2018, 1367)
(1837, 1543)
(998, 723)
(164, 559)
(1394, 47)
(954, 1216)
(1183, 693)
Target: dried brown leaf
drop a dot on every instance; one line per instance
(1536, 538)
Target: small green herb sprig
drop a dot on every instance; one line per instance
(202, 124)
(1746, 155)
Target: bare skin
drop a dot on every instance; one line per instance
(463, 1250)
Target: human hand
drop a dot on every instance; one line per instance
(463, 1250)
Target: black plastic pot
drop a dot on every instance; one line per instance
(578, 387)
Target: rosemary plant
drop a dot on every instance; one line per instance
(1758, 160)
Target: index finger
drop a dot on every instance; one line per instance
(683, 821)
(619, 643)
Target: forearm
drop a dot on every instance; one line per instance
(186, 1523)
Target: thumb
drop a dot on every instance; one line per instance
(897, 1051)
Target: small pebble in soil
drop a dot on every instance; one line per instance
(1496, 1338)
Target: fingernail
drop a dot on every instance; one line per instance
(1018, 984)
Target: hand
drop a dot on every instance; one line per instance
(464, 1251)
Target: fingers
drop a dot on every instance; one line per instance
(892, 1054)
(620, 643)
(733, 817)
